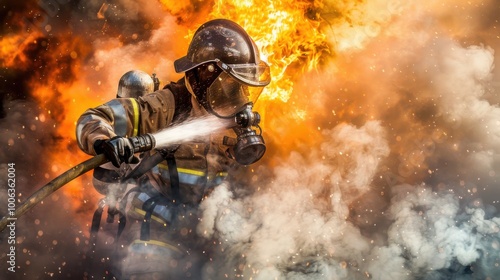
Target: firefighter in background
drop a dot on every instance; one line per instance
(223, 76)
(136, 83)
(107, 178)
(132, 85)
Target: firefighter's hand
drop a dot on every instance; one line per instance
(117, 150)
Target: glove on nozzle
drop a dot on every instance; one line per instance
(117, 150)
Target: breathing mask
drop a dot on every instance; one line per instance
(229, 92)
(249, 146)
(225, 73)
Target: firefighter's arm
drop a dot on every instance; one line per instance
(114, 118)
(124, 117)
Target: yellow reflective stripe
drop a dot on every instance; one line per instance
(157, 243)
(135, 106)
(221, 174)
(153, 217)
(191, 171)
(184, 170)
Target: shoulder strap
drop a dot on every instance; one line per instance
(168, 155)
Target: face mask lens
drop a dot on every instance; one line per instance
(226, 96)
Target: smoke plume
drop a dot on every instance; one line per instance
(381, 131)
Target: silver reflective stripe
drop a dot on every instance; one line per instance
(79, 127)
(160, 210)
(143, 197)
(219, 179)
(164, 212)
(120, 117)
(86, 120)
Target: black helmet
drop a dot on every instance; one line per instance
(225, 41)
(222, 49)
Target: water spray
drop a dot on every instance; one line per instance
(187, 131)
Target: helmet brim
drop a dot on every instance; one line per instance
(183, 64)
(256, 75)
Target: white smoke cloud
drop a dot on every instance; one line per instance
(433, 232)
(438, 119)
(460, 77)
(426, 73)
(298, 226)
(298, 223)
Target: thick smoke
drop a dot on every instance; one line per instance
(60, 58)
(297, 224)
(41, 242)
(391, 175)
(426, 208)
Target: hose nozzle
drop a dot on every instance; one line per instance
(143, 143)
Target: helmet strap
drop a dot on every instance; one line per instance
(199, 79)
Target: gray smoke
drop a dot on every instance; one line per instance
(297, 224)
(402, 183)
(410, 196)
(41, 241)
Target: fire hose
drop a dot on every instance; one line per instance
(141, 143)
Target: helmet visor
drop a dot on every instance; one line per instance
(251, 74)
(227, 96)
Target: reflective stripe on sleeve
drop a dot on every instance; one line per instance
(120, 117)
(88, 119)
(136, 115)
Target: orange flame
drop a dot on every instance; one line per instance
(295, 38)
(287, 32)
(54, 62)
(289, 37)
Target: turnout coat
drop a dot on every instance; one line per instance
(154, 222)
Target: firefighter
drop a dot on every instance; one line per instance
(132, 85)
(107, 178)
(136, 83)
(223, 76)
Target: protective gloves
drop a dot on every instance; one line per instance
(117, 150)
